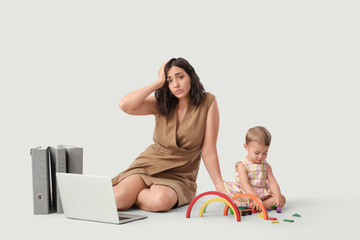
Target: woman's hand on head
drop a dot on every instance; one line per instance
(161, 73)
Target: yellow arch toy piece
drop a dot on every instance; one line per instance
(219, 199)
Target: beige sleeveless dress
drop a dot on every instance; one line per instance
(174, 158)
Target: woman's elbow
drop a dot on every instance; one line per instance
(208, 154)
(122, 105)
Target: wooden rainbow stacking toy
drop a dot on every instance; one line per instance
(229, 203)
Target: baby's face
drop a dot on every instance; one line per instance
(257, 152)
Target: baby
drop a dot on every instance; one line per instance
(254, 175)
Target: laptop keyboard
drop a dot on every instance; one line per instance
(121, 217)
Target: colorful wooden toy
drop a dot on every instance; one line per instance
(228, 203)
(243, 211)
(278, 209)
(273, 207)
(242, 207)
(202, 210)
(257, 200)
(288, 220)
(296, 215)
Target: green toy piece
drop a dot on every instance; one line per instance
(296, 215)
(273, 207)
(288, 220)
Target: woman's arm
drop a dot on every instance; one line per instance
(209, 151)
(139, 102)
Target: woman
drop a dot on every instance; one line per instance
(186, 129)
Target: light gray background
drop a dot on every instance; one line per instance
(292, 66)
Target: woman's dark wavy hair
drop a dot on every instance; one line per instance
(166, 101)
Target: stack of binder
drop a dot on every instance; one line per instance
(46, 162)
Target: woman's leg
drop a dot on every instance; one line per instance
(127, 191)
(158, 198)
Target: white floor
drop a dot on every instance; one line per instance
(320, 219)
(292, 66)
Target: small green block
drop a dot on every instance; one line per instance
(296, 215)
(288, 220)
(273, 207)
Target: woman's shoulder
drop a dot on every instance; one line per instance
(209, 98)
(209, 95)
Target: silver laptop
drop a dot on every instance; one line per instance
(90, 198)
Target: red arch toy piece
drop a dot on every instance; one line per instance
(257, 200)
(237, 213)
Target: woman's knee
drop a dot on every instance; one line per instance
(122, 199)
(161, 201)
(127, 190)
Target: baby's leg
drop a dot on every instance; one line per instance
(271, 201)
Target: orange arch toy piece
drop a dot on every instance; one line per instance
(257, 200)
(236, 212)
(219, 199)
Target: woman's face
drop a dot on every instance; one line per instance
(179, 82)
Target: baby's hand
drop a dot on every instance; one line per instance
(279, 201)
(255, 206)
(239, 203)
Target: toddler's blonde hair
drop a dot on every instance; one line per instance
(259, 134)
